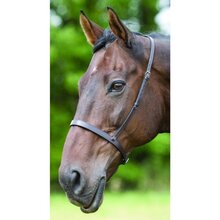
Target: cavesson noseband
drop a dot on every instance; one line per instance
(113, 139)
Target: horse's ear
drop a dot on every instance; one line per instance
(118, 28)
(91, 30)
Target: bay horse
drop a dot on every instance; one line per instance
(124, 102)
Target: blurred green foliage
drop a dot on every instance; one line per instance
(69, 57)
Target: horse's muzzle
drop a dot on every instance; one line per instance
(88, 198)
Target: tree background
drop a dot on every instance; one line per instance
(149, 165)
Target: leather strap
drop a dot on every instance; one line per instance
(141, 90)
(102, 134)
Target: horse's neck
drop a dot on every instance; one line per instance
(159, 105)
(162, 56)
(164, 89)
(160, 85)
(162, 65)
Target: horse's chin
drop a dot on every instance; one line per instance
(96, 200)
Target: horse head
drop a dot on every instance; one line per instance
(107, 92)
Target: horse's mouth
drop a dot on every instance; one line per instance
(96, 200)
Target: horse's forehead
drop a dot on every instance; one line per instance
(112, 57)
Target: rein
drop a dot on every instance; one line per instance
(114, 138)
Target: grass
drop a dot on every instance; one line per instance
(116, 206)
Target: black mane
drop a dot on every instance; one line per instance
(109, 37)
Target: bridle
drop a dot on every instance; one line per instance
(113, 139)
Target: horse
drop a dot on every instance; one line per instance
(124, 102)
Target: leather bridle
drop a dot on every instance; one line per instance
(113, 139)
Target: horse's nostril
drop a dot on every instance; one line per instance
(76, 182)
(72, 181)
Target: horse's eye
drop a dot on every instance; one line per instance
(117, 86)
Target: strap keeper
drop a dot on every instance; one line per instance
(147, 75)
